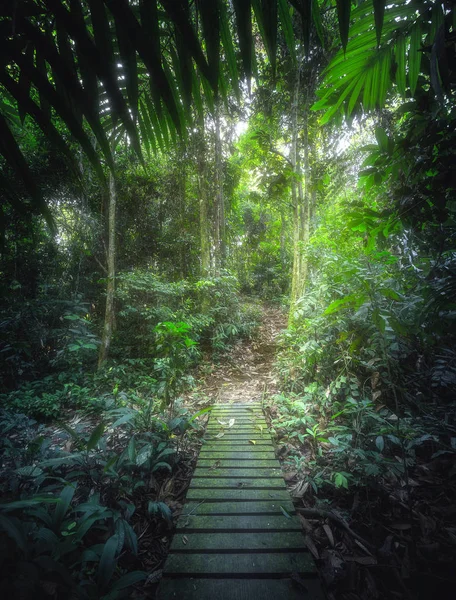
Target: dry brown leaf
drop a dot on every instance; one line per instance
(361, 560)
(312, 548)
(329, 533)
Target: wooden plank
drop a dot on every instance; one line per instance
(229, 462)
(214, 447)
(223, 472)
(275, 563)
(251, 425)
(239, 541)
(236, 404)
(236, 482)
(235, 429)
(242, 523)
(240, 436)
(238, 420)
(220, 494)
(237, 415)
(260, 506)
(239, 589)
(235, 442)
(237, 455)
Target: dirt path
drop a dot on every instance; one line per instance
(246, 374)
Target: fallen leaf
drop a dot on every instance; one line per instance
(184, 539)
(285, 513)
(231, 423)
(361, 560)
(252, 442)
(222, 422)
(219, 435)
(312, 548)
(329, 533)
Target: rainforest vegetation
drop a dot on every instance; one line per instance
(176, 177)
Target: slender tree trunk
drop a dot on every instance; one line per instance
(109, 320)
(205, 238)
(296, 192)
(182, 180)
(301, 200)
(220, 248)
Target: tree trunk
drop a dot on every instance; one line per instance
(296, 192)
(205, 238)
(220, 248)
(110, 288)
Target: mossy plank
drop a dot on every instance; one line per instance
(236, 404)
(270, 540)
(237, 429)
(275, 563)
(230, 462)
(246, 425)
(237, 415)
(241, 436)
(242, 523)
(240, 494)
(237, 455)
(246, 442)
(214, 447)
(221, 472)
(236, 482)
(260, 506)
(239, 589)
(225, 423)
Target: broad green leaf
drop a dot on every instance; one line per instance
(108, 562)
(13, 531)
(95, 436)
(382, 138)
(61, 509)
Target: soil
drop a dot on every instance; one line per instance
(245, 374)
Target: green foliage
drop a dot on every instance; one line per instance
(208, 312)
(45, 334)
(409, 54)
(68, 518)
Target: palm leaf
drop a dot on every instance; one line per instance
(12, 154)
(243, 11)
(343, 15)
(59, 104)
(42, 119)
(210, 19)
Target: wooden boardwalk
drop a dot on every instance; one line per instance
(238, 537)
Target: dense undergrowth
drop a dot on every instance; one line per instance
(366, 416)
(90, 457)
(163, 331)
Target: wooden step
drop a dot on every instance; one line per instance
(238, 536)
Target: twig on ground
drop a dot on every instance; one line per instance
(326, 514)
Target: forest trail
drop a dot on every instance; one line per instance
(247, 373)
(239, 537)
